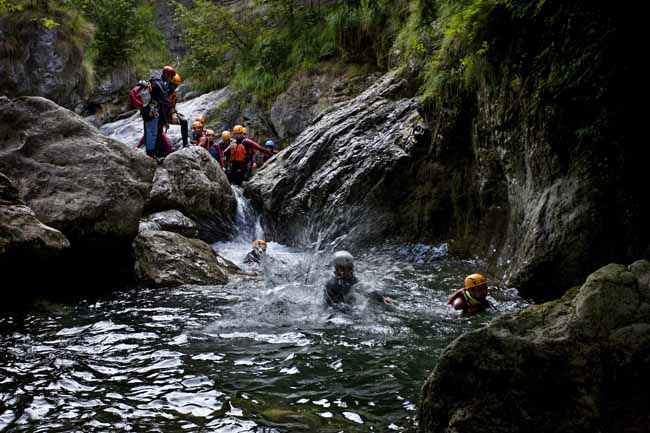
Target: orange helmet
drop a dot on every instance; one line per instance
(238, 129)
(225, 135)
(259, 244)
(474, 280)
(244, 130)
(176, 81)
(201, 120)
(197, 125)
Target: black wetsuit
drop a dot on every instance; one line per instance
(253, 257)
(339, 291)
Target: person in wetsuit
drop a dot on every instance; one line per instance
(258, 252)
(340, 289)
(471, 299)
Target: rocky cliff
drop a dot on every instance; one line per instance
(528, 161)
(40, 61)
(578, 364)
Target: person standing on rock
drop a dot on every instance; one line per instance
(177, 118)
(214, 147)
(198, 134)
(160, 94)
(340, 289)
(471, 299)
(224, 144)
(240, 155)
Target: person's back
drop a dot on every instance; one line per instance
(341, 289)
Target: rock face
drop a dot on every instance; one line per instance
(311, 94)
(91, 188)
(191, 181)
(35, 60)
(575, 365)
(169, 259)
(25, 242)
(170, 221)
(342, 175)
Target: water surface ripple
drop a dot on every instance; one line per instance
(261, 354)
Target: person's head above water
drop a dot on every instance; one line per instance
(343, 264)
(259, 245)
(476, 284)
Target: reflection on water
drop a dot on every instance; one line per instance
(261, 354)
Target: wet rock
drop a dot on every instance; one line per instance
(192, 182)
(169, 221)
(91, 188)
(341, 176)
(573, 365)
(169, 259)
(25, 242)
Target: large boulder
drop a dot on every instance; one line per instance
(191, 181)
(169, 259)
(579, 364)
(170, 221)
(89, 187)
(342, 175)
(25, 242)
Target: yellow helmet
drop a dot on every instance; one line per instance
(197, 124)
(474, 280)
(176, 81)
(259, 243)
(209, 132)
(244, 130)
(225, 135)
(238, 129)
(201, 120)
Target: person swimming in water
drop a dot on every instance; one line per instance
(471, 299)
(340, 289)
(258, 252)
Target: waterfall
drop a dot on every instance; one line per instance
(247, 221)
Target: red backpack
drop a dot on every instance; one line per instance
(135, 95)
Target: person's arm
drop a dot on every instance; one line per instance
(258, 147)
(457, 300)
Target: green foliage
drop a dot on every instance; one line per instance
(259, 52)
(125, 37)
(20, 18)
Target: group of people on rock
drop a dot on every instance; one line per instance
(238, 155)
(341, 290)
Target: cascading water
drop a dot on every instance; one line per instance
(261, 354)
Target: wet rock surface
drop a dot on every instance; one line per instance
(167, 259)
(191, 181)
(574, 365)
(169, 221)
(89, 187)
(341, 176)
(25, 242)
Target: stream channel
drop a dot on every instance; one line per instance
(260, 354)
